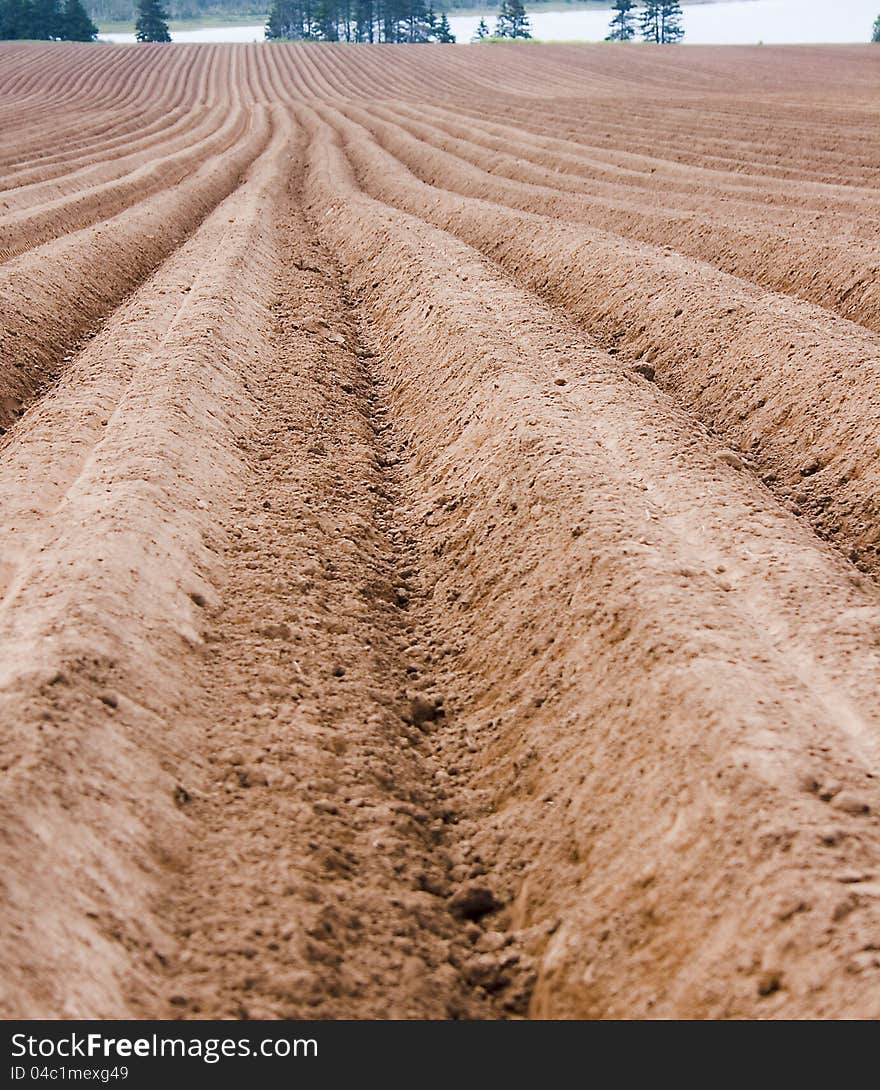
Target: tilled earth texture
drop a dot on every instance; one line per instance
(439, 532)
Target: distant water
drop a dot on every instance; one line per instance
(729, 22)
(732, 22)
(205, 34)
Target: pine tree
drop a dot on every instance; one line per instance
(346, 21)
(876, 35)
(671, 30)
(444, 31)
(623, 23)
(276, 25)
(365, 21)
(482, 31)
(512, 20)
(661, 22)
(356, 21)
(397, 21)
(411, 22)
(76, 24)
(15, 19)
(326, 23)
(502, 22)
(152, 22)
(286, 21)
(650, 21)
(519, 19)
(41, 20)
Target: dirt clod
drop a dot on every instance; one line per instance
(473, 901)
(424, 710)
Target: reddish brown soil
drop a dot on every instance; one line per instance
(440, 532)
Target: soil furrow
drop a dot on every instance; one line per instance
(99, 639)
(318, 881)
(54, 296)
(423, 593)
(786, 383)
(34, 225)
(583, 532)
(798, 257)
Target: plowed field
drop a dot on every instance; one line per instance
(439, 531)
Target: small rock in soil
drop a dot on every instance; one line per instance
(485, 972)
(423, 710)
(472, 901)
(850, 803)
(729, 458)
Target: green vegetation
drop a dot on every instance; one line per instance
(46, 20)
(522, 41)
(78, 26)
(119, 15)
(472, 7)
(357, 21)
(151, 24)
(661, 22)
(512, 20)
(623, 22)
(876, 35)
(443, 31)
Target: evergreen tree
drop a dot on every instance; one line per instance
(356, 21)
(16, 19)
(876, 35)
(671, 15)
(482, 31)
(346, 20)
(415, 23)
(365, 20)
(40, 20)
(152, 22)
(512, 20)
(650, 21)
(661, 22)
(326, 26)
(623, 22)
(292, 20)
(48, 19)
(277, 27)
(444, 31)
(501, 22)
(76, 24)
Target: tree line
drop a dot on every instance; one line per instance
(357, 21)
(657, 21)
(382, 21)
(46, 20)
(120, 11)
